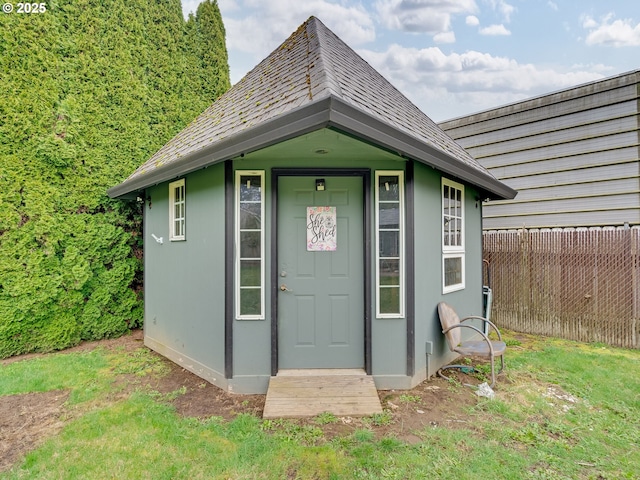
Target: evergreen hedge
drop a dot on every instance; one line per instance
(90, 90)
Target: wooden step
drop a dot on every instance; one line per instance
(307, 393)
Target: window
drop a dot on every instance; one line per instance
(390, 244)
(249, 245)
(177, 211)
(452, 236)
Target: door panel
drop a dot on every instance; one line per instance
(321, 300)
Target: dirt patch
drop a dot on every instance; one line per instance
(433, 403)
(195, 397)
(28, 420)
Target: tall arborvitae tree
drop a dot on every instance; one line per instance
(90, 90)
(207, 41)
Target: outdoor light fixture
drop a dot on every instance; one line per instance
(319, 184)
(160, 240)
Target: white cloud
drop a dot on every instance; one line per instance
(444, 37)
(472, 70)
(432, 17)
(588, 22)
(594, 67)
(472, 21)
(494, 30)
(553, 6)
(503, 8)
(439, 83)
(610, 32)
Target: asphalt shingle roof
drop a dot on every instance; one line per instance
(312, 65)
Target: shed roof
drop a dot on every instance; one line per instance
(312, 81)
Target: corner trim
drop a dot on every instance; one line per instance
(411, 268)
(228, 268)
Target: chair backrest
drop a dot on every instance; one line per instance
(449, 318)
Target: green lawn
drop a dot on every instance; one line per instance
(564, 411)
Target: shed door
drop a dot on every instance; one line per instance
(321, 293)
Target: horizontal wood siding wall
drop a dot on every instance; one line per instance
(578, 284)
(573, 156)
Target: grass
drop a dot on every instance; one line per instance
(81, 373)
(566, 411)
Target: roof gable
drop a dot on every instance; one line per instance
(306, 80)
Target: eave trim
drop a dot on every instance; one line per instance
(327, 112)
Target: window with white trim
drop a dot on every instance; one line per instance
(390, 244)
(250, 245)
(452, 236)
(177, 211)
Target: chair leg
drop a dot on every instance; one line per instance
(493, 373)
(461, 367)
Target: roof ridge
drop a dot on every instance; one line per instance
(318, 32)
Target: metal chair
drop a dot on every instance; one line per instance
(452, 328)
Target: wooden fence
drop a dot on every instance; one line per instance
(578, 284)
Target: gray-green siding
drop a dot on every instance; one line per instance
(184, 283)
(428, 266)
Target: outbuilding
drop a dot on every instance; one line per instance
(311, 217)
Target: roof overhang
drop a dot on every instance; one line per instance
(327, 112)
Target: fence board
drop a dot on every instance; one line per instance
(576, 284)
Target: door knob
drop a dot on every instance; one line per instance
(284, 288)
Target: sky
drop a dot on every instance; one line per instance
(452, 58)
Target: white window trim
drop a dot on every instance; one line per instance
(173, 237)
(457, 286)
(453, 251)
(401, 274)
(239, 175)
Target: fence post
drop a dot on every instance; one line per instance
(634, 240)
